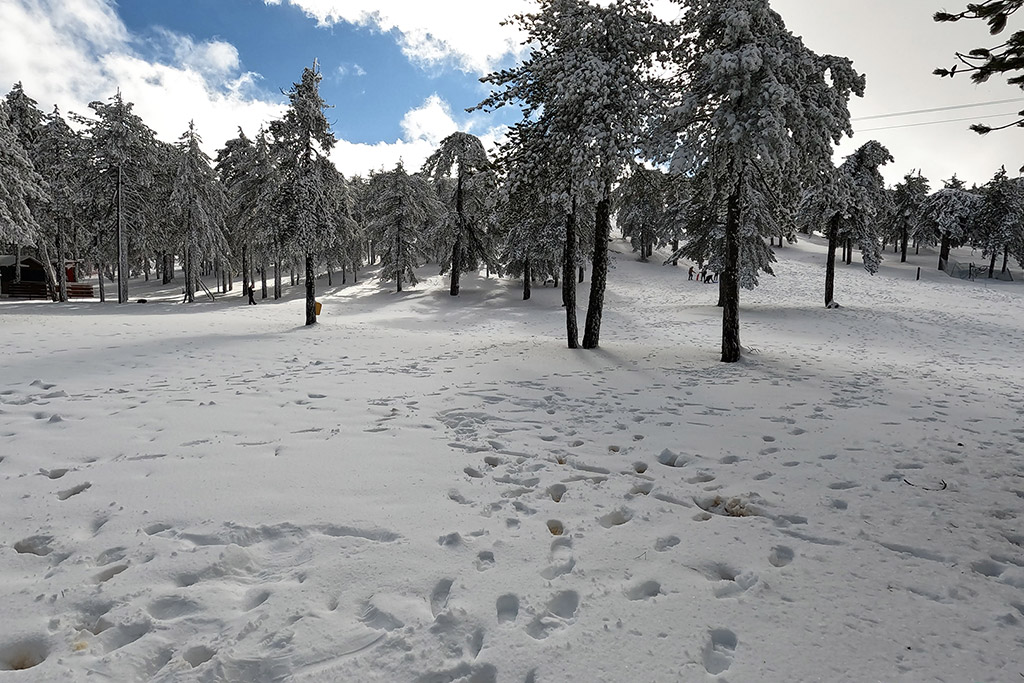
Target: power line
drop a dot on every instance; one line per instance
(935, 109)
(932, 123)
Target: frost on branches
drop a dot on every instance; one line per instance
(462, 175)
(847, 209)
(405, 209)
(586, 88)
(946, 215)
(198, 201)
(756, 118)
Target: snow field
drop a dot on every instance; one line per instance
(422, 489)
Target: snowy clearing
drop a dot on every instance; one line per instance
(422, 488)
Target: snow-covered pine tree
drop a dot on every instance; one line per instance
(532, 232)
(588, 87)
(947, 215)
(21, 187)
(198, 201)
(122, 161)
(469, 199)
(233, 163)
(756, 116)
(640, 204)
(999, 223)
(907, 198)
(848, 208)
(58, 156)
(302, 140)
(403, 208)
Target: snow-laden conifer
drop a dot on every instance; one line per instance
(756, 117)
(586, 88)
(20, 186)
(233, 163)
(200, 205)
(404, 209)
(849, 207)
(907, 198)
(301, 142)
(641, 210)
(58, 155)
(999, 222)
(469, 199)
(122, 151)
(946, 216)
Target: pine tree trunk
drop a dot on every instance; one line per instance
(527, 277)
(264, 264)
(599, 270)
(1006, 257)
(51, 279)
(944, 251)
(992, 265)
(330, 275)
(583, 272)
(830, 261)
(568, 283)
(17, 264)
(191, 275)
(456, 260)
(849, 251)
(245, 269)
(310, 290)
(99, 277)
(904, 238)
(728, 281)
(122, 250)
(62, 271)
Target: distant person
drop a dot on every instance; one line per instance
(691, 273)
(251, 292)
(703, 275)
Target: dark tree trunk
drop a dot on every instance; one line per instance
(992, 265)
(456, 262)
(310, 290)
(728, 281)
(904, 239)
(527, 276)
(583, 271)
(99, 277)
(944, 251)
(245, 269)
(122, 250)
(17, 263)
(568, 282)
(330, 275)
(1006, 257)
(721, 291)
(849, 251)
(830, 260)
(599, 270)
(62, 270)
(264, 264)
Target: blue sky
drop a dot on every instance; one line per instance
(400, 73)
(367, 78)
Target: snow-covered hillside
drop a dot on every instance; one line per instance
(422, 488)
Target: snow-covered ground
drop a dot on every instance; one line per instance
(422, 488)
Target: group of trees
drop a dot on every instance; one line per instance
(712, 135)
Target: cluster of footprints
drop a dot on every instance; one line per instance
(720, 644)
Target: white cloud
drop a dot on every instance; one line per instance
(431, 122)
(423, 128)
(429, 33)
(71, 52)
(215, 58)
(351, 69)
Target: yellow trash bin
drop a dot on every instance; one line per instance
(316, 307)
